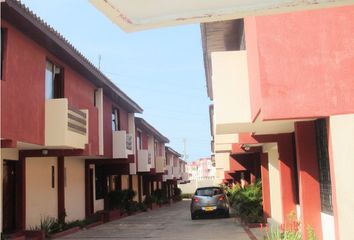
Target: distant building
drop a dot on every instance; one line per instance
(201, 169)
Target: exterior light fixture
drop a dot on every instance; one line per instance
(45, 152)
(246, 147)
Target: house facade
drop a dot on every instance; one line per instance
(282, 112)
(69, 136)
(280, 78)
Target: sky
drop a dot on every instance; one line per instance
(162, 70)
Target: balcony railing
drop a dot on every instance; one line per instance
(122, 144)
(65, 126)
(168, 174)
(160, 162)
(176, 172)
(143, 160)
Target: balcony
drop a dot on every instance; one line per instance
(168, 175)
(184, 176)
(144, 160)
(176, 172)
(65, 126)
(160, 163)
(122, 144)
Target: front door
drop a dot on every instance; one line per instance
(9, 196)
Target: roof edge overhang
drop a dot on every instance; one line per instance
(140, 122)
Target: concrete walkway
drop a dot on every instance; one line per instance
(166, 223)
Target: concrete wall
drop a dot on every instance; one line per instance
(341, 139)
(41, 198)
(74, 182)
(274, 182)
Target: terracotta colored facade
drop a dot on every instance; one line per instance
(299, 79)
(69, 146)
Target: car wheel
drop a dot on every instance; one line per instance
(193, 216)
(227, 214)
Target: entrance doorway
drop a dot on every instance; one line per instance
(9, 196)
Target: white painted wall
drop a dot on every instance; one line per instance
(41, 198)
(274, 182)
(151, 148)
(342, 139)
(230, 86)
(327, 226)
(74, 183)
(222, 160)
(135, 187)
(131, 130)
(99, 105)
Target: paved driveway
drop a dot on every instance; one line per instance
(165, 223)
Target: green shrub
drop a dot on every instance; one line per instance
(159, 196)
(177, 196)
(115, 199)
(247, 202)
(142, 207)
(149, 200)
(187, 195)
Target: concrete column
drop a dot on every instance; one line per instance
(274, 183)
(287, 175)
(265, 186)
(308, 171)
(341, 145)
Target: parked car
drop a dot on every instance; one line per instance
(209, 200)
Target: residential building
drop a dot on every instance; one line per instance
(151, 158)
(282, 89)
(290, 93)
(68, 134)
(201, 169)
(65, 127)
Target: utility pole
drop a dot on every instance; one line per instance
(99, 61)
(185, 154)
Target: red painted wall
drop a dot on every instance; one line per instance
(265, 186)
(309, 186)
(22, 111)
(287, 175)
(107, 121)
(82, 99)
(145, 140)
(305, 63)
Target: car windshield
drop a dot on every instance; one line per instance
(208, 192)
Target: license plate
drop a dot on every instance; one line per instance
(208, 209)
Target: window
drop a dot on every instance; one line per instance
(323, 163)
(100, 181)
(208, 192)
(115, 120)
(94, 97)
(54, 82)
(156, 148)
(3, 49)
(139, 140)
